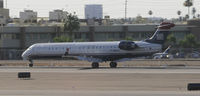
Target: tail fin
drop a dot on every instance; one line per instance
(161, 33)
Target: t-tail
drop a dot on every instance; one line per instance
(161, 33)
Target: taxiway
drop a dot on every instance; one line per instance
(83, 81)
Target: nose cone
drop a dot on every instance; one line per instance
(26, 54)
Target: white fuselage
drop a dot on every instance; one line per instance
(89, 49)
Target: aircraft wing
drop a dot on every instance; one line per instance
(89, 59)
(85, 58)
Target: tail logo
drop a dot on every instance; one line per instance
(160, 36)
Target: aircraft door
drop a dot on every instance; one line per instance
(67, 51)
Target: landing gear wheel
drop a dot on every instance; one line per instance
(113, 65)
(31, 63)
(95, 65)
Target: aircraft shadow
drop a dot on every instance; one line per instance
(165, 67)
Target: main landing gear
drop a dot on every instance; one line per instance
(112, 65)
(95, 65)
(31, 63)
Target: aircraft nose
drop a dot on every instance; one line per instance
(26, 54)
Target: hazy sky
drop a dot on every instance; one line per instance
(114, 8)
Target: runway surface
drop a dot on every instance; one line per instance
(84, 81)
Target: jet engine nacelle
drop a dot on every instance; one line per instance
(127, 45)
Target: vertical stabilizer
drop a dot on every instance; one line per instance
(161, 33)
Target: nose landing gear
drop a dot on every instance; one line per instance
(31, 63)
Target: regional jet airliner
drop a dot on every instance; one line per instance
(97, 52)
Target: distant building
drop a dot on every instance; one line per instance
(93, 11)
(28, 16)
(4, 14)
(1, 4)
(57, 15)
